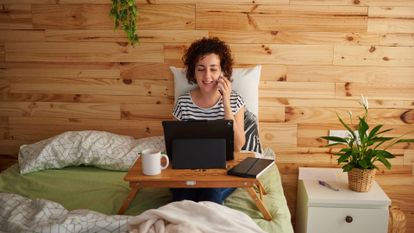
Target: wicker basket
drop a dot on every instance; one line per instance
(361, 180)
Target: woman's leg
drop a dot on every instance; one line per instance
(180, 194)
(217, 195)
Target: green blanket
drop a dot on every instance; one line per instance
(104, 191)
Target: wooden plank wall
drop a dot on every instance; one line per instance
(63, 67)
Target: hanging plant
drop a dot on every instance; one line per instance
(124, 13)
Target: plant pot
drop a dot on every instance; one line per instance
(360, 180)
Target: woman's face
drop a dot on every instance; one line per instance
(207, 72)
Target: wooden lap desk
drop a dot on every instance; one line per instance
(195, 178)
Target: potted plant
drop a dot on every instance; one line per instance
(364, 148)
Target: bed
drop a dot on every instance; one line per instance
(73, 182)
(87, 192)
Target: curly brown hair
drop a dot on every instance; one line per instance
(205, 46)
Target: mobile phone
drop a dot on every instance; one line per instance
(221, 76)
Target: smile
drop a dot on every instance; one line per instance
(209, 83)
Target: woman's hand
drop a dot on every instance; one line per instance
(224, 87)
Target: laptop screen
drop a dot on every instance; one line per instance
(199, 129)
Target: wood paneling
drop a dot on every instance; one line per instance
(15, 16)
(85, 98)
(90, 86)
(167, 17)
(211, 1)
(373, 56)
(2, 52)
(74, 16)
(296, 89)
(353, 74)
(409, 157)
(391, 12)
(297, 37)
(4, 86)
(10, 149)
(63, 67)
(329, 115)
(282, 54)
(266, 53)
(353, 2)
(282, 17)
(60, 65)
(22, 35)
(82, 52)
(344, 102)
(153, 71)
(183, 1)
(33, 74)
(37, 128)
(397, 40)
(53, 109)
(4, 127)
(272, 113)
(145, 36)
(28, 2)
(278, 134)
(309, 134)
(153, 111)
(391, 25)
(376, 90)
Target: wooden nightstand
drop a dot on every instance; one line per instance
(323, 210)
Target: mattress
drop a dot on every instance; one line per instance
(104, 191)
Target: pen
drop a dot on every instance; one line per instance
(323, 183)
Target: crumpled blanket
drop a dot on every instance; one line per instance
(195, 217)
(21, 214)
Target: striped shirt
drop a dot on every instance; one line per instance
(186, 109)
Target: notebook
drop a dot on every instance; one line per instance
(251, 167)
(199, 144)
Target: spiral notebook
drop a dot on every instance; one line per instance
(251, 167)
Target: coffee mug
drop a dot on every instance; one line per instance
(151, 162)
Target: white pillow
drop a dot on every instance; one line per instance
(95, 148)
(245, 82)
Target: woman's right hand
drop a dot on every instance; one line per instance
(224, 87)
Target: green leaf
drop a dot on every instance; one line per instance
(348, 167)
(333, 144)
(345, 150)
(362, 128)
(384, 131)
(346, 126)
(344, 158)
(335, 139)
(382, 139)
(405, 140)
(385, 162)
(385, 154)
(363, 164)
(374, 131)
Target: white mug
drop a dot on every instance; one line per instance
(151, 162)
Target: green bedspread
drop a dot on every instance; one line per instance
(104, 191)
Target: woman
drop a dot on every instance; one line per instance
(209, 65)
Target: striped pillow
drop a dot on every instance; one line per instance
(251, 131)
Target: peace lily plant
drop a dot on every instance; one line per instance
(365, 146)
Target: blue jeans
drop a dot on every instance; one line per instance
(217, 195)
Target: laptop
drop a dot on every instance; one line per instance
(199, 144)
